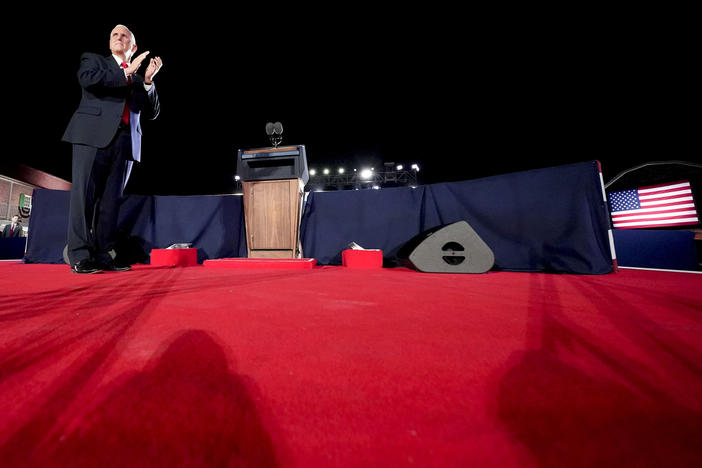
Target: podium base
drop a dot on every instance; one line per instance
(276, 263)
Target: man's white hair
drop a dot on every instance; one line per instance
(130, 32)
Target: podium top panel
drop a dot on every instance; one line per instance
(271, 152)
(271, 149)
(284, 162)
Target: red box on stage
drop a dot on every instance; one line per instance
(174, 257)
(366, 258)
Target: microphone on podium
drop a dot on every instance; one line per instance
(275, 133)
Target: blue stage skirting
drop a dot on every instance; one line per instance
(672, 250)
(212, 224)
(552, 219)
(12, 247)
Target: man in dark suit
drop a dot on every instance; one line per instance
(105, 132)
(13, 229)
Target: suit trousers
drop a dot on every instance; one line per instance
(99, 178)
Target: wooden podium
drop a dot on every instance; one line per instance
(273, 184)
(272, 210)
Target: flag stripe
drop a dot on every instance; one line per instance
(666, 206)
(657, 221)
(686, 221)
(669, 200)
(655, 213)
(683, 214)
(655, 209)
(667, 193)
(648, 188)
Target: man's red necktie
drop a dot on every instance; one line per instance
(12, 229)
(125, 113)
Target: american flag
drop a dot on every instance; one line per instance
(668, 204)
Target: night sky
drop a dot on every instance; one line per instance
(464, 96)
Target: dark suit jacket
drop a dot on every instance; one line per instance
(6, 231)
(105, 91)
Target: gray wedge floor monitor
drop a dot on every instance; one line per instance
(452, 248)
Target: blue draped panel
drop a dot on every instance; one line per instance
(665, 249)
(12, 247)
(552, 219)
(48, 226)
(371, 218)
(213, 224)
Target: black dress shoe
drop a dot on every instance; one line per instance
(112, 266)
(85, 267)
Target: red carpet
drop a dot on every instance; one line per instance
(330, 366)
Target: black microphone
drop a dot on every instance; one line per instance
(274, 132)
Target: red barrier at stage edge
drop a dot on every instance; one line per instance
(276, 263)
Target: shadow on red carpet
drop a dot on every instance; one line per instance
(575, 400)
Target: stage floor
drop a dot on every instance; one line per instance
(336, 367)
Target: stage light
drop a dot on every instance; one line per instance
(375, 187)
(341, 170)
(236, 177)
(366, 173)
(399, 167)
(355, 170)
(326, 171)
(313, 172)
(415, 167)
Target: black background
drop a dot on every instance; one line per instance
(464, 95)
